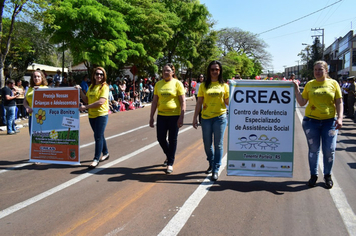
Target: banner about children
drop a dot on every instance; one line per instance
(261, 128)
(55, 126)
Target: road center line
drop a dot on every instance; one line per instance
(339, 198)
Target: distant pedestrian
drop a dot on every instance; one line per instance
(57, 77)
(96, 100)
(9, 96)
(169, 100)
(320, 122)
(351, 97)
(197, 86)
(84, 84)
(344, 89)
(213, 97)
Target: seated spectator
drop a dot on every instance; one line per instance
(114, 106)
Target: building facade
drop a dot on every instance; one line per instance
(341, 56)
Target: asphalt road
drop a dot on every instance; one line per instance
(130, 194)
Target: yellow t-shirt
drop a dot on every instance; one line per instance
(168, 97)
(29, 95)
(214, 99)
(93, 95)
(321, 98)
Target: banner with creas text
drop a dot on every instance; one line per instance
(261, 128)
(55, 126)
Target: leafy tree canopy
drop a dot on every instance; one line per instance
(243, 42)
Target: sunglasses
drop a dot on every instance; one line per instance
(99, 74)
(213, 69)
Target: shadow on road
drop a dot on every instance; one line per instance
(154, 173)
(277, 188)
(5, 163)
(352, 165)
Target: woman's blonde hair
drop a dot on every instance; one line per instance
(324, 65)
(44, 80)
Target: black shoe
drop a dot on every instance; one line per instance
(209, 170)
(328, 181)
(215, 176)
(312, 181)
(105, 157)
(94, 164)
(165, 163)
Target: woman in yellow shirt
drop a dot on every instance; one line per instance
(98, 109)
(38, 80)
(324, 99)
(213, 96)
(169, 99)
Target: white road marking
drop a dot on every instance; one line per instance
(178, 221)
(75, 180)
(339, 198)
(85, 145)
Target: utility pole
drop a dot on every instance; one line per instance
(322, 35)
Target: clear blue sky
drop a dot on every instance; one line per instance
(285, 43)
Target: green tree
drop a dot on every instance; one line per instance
(93, 31)
(207, 51)
(189, 31)
(243, 42)
(29, 45)
(150, 25)
(11, 9)
(313, 53)
(233, 64)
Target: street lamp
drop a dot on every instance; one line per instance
(298, 69)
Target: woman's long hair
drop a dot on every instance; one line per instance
(208, 76)
(93, 81)
(44, 80)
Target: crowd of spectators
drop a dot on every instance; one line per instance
(124, 94)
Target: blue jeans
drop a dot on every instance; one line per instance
(10, 117)
(324, 130)
(214, 127)
(98, 126)
(168, 124)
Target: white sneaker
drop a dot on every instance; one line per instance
(169, 169)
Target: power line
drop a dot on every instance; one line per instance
(300, 18)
